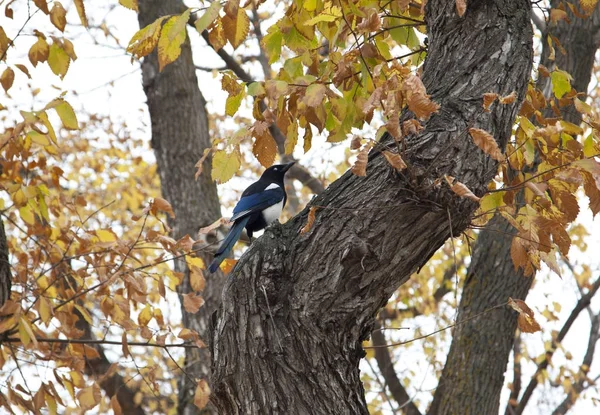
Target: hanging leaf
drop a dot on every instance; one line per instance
(360, 165)
(172, 36)
(418, 100)
(310, 220)
(58, 60)
(461, 7)
(81, 11)
(202, 394)
(130, 4)
(588, 6)
(314, 95)
(526, 320)
(460, 189)
(265, 149)
(488, 100)
(224, 165)
(561, 83)
(39, 51)
(236, 28)
(395, 160)
(486, 142)
(58, 16)
(209, 16)
(7, 78)
(192, 302)
(145, 40)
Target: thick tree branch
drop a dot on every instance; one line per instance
(325, 287)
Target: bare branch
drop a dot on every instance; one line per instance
(516, 385)
(386, 366)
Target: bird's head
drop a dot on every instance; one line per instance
(276, 172)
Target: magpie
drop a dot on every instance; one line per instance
(260, 205)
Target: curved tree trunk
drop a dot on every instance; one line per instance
(288, 335)
(179, 135)
(473, 376)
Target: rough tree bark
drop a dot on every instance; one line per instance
(473, 376)
(287, 338)
(179, 135)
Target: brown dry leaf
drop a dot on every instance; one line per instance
(213, 226)
(89, 397)
(461, 7)
(417, 99)
(355, 143)
(411, 127)
(526, 320)
(186, 243)
(488, 100)
(124, 346)
(160, 204)
(543, 71)
(192, 302)
(371, 23)
(360, 166)
(310, 220)
(486, 142)
(460, 189)
(115, 405)
(202, 394)
(556, 15)
(200, 162)
(395, 160)
(537, 188)
(509, 99)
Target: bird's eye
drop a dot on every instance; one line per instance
(276, 168)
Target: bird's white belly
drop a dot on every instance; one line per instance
(272, 213)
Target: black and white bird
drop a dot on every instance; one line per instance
(260, 205)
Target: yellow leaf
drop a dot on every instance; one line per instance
(58, 16)
(236, 28)
(224, 165)
(526, 320)
(45, 309)
(329, 14)
(81, 11)
(172, 36)
(209, 16)
(26, 332)
(145, 316)
(202, 394)
(84, 313)
(130, 4)
(145, 40)
(314, 95)
(39, 51)
(67, 115)
(7, 78)
(196, 265)
(27, 214)
(89, 397)
(227, 265)
(38, 138)
(58, 60)
(106, 235)
(588, 5)
(486, 142)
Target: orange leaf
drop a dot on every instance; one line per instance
(460, 189)
(417, 98)
(227, 265)
(192, 302)
(265, 149)
(310, 220)
(160, 204)
(509, 99)
(526, 320)
(486, 142)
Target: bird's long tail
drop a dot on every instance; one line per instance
(234, 234)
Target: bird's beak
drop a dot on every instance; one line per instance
(287, 166)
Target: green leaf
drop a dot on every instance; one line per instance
(272, 43)
(58, 60)
(130, 4)
(329, 14)
(560, 83)
(209, 16)
(233, 102)
(224, 165)
(256, 89)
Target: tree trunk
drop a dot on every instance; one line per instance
(288, 335)
(5, 274)
(473, 376)
(179, 135)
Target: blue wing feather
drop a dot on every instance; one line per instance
(257, 202)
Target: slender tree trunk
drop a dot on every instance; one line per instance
(179, 135)
(288, 335)
(5, 274)
(473, 376)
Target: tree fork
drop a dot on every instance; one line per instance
(287, 338)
